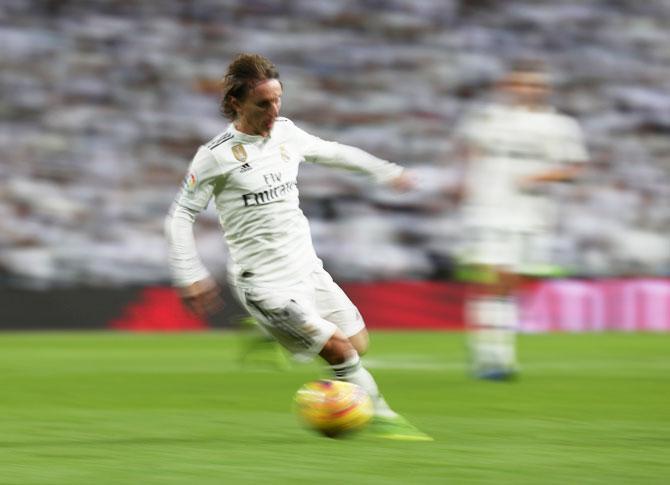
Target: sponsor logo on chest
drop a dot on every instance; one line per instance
(278, 189)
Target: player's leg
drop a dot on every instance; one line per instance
(342, 352)
(344, 349)
(492, 324)
(490, 306)
(345, 362)
(360, 341)
(494, 311)
(291, 318)
(335, 306)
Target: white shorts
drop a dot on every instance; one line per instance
(303, 315)
(512, 249)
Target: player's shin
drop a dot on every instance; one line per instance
(351, 370)
(492, 335)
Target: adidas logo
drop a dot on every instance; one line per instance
(245, 167)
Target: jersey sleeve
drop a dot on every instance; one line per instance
(317, 150)
(185, 265)
(198, 185)
(196, 191)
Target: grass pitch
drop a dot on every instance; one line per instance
(99, 408)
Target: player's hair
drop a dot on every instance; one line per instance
(528, 64)
(244, 73)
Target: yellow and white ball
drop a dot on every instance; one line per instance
(333, 408)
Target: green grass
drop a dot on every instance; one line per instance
(98, 408)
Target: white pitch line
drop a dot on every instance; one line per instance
(404, 362)
(401, 363)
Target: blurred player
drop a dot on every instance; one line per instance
(249, 171)
(513, 149)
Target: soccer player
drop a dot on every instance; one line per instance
(514, 148)
(249, 171)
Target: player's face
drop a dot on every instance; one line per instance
(527, 88)
(257, 112)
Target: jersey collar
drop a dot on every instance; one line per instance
(246, 138)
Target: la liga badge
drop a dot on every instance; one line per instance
(190, 182)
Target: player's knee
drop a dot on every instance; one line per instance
(360, 342)
(337, 349)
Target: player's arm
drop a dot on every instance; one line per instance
(356, 160)
(197, 288)
(562, 174)
(569, 149)
(351, 158)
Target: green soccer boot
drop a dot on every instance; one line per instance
(396, 428)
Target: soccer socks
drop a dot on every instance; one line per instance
(492, 338)
(351, 370)
(386, 423)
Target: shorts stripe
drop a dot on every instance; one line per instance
(280, 320)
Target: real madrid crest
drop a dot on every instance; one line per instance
(239, 152)
(283, 153)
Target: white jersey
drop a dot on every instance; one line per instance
(253, 182)
(511, 143)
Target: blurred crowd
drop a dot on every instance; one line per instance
(104, 102)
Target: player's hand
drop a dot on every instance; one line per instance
(404, 182)
(202, 297)
(540, 181)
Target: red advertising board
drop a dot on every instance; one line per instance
(545, 306)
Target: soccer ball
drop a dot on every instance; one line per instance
(333, 408)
